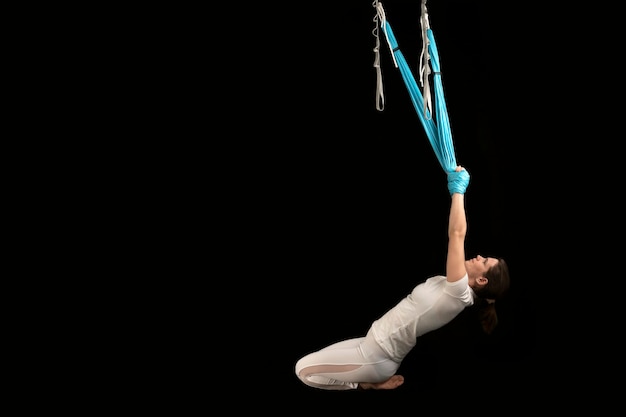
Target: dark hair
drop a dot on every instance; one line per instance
(497, 286)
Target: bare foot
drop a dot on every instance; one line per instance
(392, 383)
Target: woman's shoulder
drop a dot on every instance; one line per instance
(442, 278)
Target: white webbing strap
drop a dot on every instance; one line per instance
(424, 67)
(379, 21)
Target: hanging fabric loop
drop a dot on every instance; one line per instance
(437, 128)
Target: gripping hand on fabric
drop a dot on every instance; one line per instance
(458, 180)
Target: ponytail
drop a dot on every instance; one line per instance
(487, 315)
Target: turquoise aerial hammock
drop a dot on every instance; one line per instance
(437, 130)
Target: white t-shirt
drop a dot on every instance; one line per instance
(432, 304)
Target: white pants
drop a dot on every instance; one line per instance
(342, 365)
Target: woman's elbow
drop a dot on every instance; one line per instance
(457, 233)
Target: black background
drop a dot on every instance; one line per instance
(269, 210)
(348, 205)
(302, 213)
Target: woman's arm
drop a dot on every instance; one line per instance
(457, 226)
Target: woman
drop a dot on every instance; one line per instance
(371, 362)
